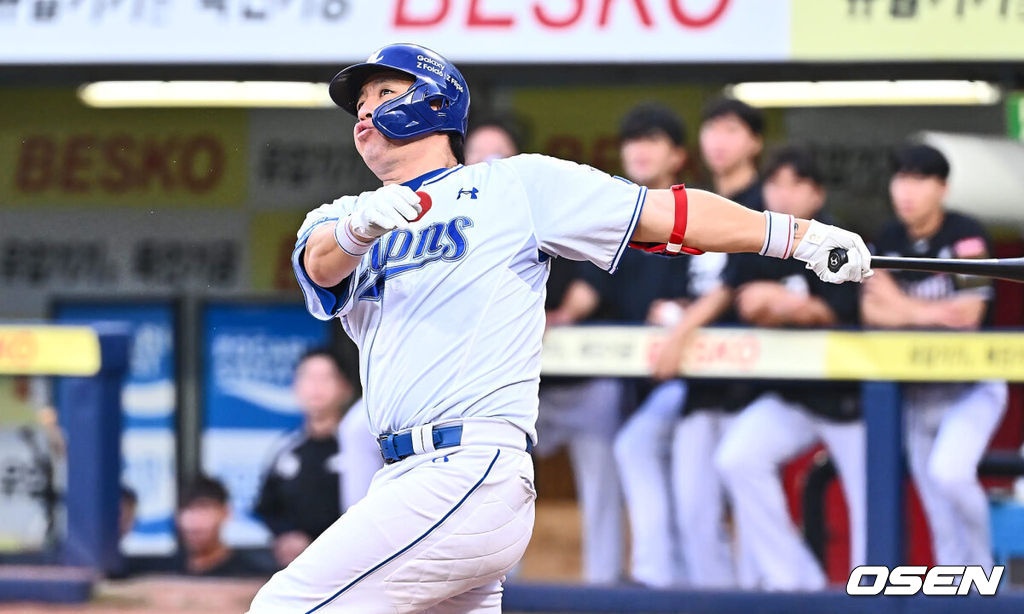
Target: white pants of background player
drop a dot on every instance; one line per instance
(948, 428)
(358, 455)
(584, 415)
(643, 450)
(436, 534)
(766, 434)
(700, 501)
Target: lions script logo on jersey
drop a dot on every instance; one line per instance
(402, 251)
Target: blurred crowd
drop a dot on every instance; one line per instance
(691, 467)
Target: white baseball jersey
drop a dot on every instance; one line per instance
(449, 314)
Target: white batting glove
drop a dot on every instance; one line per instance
(326, 213)
(817, 245)
(383, 210)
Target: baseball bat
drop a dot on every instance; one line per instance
(1010, 269)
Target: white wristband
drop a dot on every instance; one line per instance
(348, 241)
(779, 235)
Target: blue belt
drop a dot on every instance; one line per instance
(397, 446)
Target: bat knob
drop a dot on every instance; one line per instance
(425, 204)
(836, 259)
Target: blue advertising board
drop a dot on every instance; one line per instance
(149, 403)
(249, 354)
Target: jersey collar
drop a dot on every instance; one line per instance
(414, 184)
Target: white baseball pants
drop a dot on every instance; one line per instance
(765, 435)
(584, 416)
(948, 428)
(436, 534)
(643, 454)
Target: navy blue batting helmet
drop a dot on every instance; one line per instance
(438, 101)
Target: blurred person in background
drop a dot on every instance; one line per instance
(788, 418)
(731, 139)
(652, 148)
(730, 142)
(302, 489)
(202, 512)
(947, 426)
(492, 138)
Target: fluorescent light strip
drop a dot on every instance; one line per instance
(117, 94)
(864, 93)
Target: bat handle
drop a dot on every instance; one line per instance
(836, 259)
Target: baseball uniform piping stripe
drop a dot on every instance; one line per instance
(641, 199)
(414, 542)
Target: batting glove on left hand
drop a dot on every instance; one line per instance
(819, 241)
(381, 211)
(326, 213)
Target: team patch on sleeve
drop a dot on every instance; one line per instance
(971, 247)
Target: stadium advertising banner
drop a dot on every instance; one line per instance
(251, 351)
(201, 199)
(335, 31)
(510, 31)
(149, 401)
(854, 30)
(131, 157)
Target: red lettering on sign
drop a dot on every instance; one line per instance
(641, 9)
(492, 21)
(683, 16)
(550, 22)
(737, 353)
(35, 164)
(156, 161)
(565, 147)
(404, 20)
(202, 163)
(116, 164)
(606, 153)
(118, 152)
(76, 160)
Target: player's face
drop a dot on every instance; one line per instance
(319, 388)
(726, 142)
(916, 198)
(652, 160)
(199, 524)
(787, 192)
(489, 143)
(377, 90)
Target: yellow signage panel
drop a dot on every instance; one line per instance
(851, 30)
(49, 350)
(919, 356)
(56, 151)
(925, 356)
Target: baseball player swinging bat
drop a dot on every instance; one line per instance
(1011, 269)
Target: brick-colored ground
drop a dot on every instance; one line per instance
(553, 555)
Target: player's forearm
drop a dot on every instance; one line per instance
(812, 312)
(326, 263)
(702, 312)
(714, 224)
